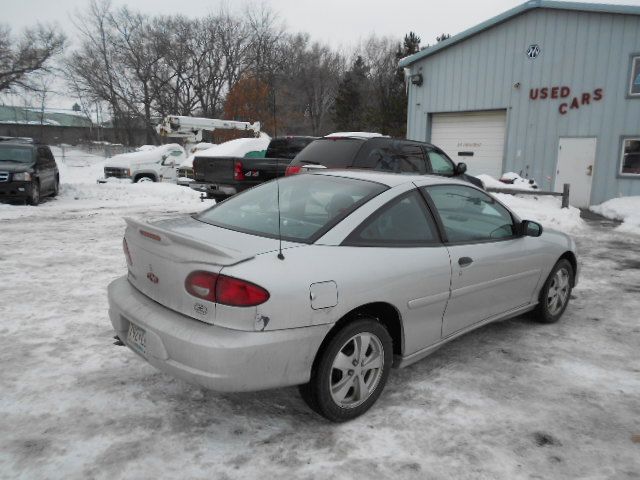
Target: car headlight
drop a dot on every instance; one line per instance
(22, 177)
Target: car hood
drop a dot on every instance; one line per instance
(15, 167)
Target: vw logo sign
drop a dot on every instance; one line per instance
(533, 51)
(152, 278)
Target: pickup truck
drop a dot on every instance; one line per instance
(148, 164)
(237, 165)
(371, 151)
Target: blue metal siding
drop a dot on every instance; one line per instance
(582, 50)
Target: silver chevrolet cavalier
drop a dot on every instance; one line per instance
(326, 280)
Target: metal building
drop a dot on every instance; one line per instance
(550, 90)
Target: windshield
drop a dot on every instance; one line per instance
(12, 153)
(330, 152)
(309, 206)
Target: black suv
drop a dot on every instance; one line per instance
(28, 170)
(378, 153)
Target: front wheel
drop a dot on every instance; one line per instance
(351, 371)
(144, 178)
(34, 198)
(555, 293)
(56, 188)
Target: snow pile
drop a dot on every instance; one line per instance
(237, 148)
(509, 180)
(545, 210)
(626, 209)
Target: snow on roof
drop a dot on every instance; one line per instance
(236, 148)
(355, 134)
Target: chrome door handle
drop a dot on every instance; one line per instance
(465, 261)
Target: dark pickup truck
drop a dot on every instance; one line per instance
(220, 177)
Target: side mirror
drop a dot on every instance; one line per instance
(529, 228)
(461, 168)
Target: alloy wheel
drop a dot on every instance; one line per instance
(356, 370)
(558, 292)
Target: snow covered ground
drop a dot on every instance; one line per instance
(512, 400)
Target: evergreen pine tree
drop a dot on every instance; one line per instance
(348, 110)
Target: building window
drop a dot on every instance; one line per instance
(630, 164)
(634, 81)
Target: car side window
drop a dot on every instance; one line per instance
(440, 165)
(43, 157)
(412, 160)
(403, 222)
(393, 157)
(469, 215)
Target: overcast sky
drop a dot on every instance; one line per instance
(341, 23)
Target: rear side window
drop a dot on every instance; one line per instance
(403, 222)
(329, 152)
(469, 215)
(398, 157)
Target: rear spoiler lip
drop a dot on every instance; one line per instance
(168, 237)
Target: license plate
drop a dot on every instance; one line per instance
(136, 338)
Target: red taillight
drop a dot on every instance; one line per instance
(127, 254)
(202, 285)
(238, 174)
(150, 235)
(225, 290)
(238, 293)
(292, 170)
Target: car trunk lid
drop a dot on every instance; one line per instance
(162, 254)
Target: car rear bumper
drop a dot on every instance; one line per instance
(214, 189)
(184, 181)
(214, 357)
(15, 190)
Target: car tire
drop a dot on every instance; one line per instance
(347, 379)
(56, 187)
(555, 293)
(217, 198)
(145, 178)
(34, 197)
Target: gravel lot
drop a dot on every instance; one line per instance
(512, 400)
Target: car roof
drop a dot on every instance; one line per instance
(12, 143)
(389, 179)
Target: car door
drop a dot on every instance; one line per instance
(169, 162)
(46, 171)
(494, 269)
(400, 244)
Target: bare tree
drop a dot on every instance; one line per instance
(31, 53)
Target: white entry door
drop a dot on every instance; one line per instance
(576, 158)
(475, 138)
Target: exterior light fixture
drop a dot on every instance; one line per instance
(416, 79)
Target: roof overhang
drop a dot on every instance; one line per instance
(509, 14)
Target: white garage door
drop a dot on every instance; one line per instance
(475, 138)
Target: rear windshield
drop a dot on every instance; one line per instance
(309, 206)
(287, 147)
(12, 153)
(330, 152)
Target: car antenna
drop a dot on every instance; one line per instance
(280, 255)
